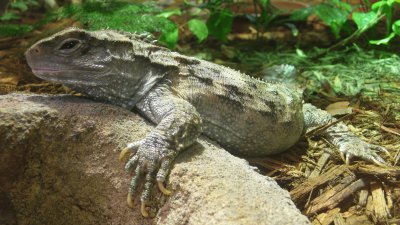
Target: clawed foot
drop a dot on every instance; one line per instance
(153, 163)
(131, 204)
(363, 150)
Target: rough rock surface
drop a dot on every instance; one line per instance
(58, 165)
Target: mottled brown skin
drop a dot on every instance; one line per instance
(185, 97)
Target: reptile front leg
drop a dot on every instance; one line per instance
(178, 126)
(339, 134)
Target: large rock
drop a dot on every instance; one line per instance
(58, 165)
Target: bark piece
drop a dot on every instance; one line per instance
(339, 197)
(300, 193)
(321, 163)
(380, 210)
(326, 218)
(321, 201)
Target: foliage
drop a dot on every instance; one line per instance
(14, 29)
(126, 16)
(198, 28)
(219, 23)
(335, 14)
(16, 8)
(14, 13)
(349, 72)
(263, 18)
(381, 8)
(211, 18)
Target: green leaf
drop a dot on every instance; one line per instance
(264, 4)
(390, 2)
(170, 36)
(386, 8)
(396, 27)
(19, 5)
(378, 5)
(342, 5)
(300, 53)
(9, 16)
(293, 29)
(12, 30)
(384, 41)
(301, 14)
(199, 29)
(219, 23)
(332, 16)
(383, 5)
(364, 19)
(167, 14)
(337, 84)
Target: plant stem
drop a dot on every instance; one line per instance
(352, 37)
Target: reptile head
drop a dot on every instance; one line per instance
(106, 65)
(70, 56)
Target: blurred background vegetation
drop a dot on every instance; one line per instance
(345, 54)
(206, 18)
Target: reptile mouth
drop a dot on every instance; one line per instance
(64, 76)
(42, 70)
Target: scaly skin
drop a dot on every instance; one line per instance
(185, 97)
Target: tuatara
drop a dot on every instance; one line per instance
(184, 97)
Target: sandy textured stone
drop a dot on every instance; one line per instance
(58, 165)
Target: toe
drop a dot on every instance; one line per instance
(129, 200)
(375, 158)
(161, 175)
(164, 190)
(130, 149)
(135, 180)
(143, 209)
(123, 154)
(380, 149)
(132, 163)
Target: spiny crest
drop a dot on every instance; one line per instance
(110, 35)
(106, 35)
(144, 36)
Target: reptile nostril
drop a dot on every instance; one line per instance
(36, 50)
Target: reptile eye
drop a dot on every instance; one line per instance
(69, 45)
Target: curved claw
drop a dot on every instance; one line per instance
(123, 154)
(342, 156)
(143, 209)
(131, 148)
(348, 158)
(377, 162)
(129, 200)
(381, 149)
(164, 190)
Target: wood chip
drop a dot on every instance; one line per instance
(339, 220)
(379, 171)
(321, 163)
(363, 197)
(336, 195)
(390, 130)
(379, 208)
(339, 108)
(300, 193)
(326, 218)
(389, 199)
